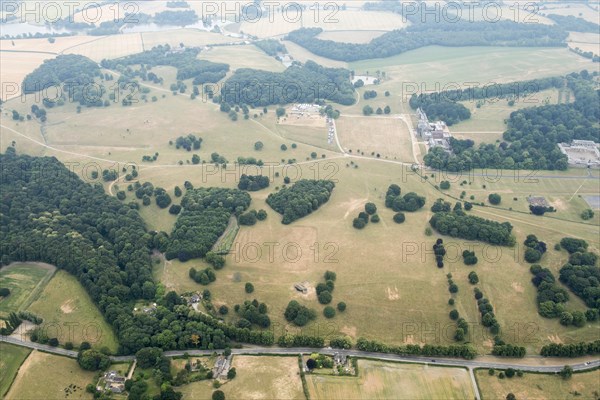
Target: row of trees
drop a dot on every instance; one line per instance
(571, 350)
(301, 199)
(427, 33)
(465, 351)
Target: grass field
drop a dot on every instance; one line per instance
(350, 36)
(257, 378)
(11, 359)
(15, 66)
(26, 282)
(379, 380)
(487, 123)
(585, 41)
(387, 136)
(189, 37)
(329, 20)
(65, 303)
(587, 12)
(243, 57)
(539, 386)
(113, 46)
(48, 376)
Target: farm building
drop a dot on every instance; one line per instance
(581, 152)
(537, 201)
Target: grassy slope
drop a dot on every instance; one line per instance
(25, 282)
(64, 302)
(11, 360)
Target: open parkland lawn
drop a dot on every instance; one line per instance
(48, 376)
(539, 386)
(379, 380)
(328, 19)
(25, 281)
(11, 358)
(70, 315)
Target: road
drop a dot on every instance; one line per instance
(258, 350)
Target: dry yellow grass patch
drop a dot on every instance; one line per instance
(387, 136)
(47, 376)
(539, 386)
(257, 378)
(113, 46)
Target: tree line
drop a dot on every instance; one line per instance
(427, 33)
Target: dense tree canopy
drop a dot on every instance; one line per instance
(305, 83)
(270, 46)
(205, 215)
(470, 227)
(442, 33)
(186, 61)
(70, 69)
(301, 199)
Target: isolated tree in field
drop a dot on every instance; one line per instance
(311, 364)
(280, 112)
(249, 287)
(177, 191)
(218, 395)
(329, 312)
(258, 146)
(341, 306)
(195, 159)
(367, 110)
(375, 218)
(4, 292)
(175, 209)
(511, 396)
(231, 373)
(453, 315)
(494, 199)
(444, 185)
(399, 218)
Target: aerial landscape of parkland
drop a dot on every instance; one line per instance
(299, 199)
